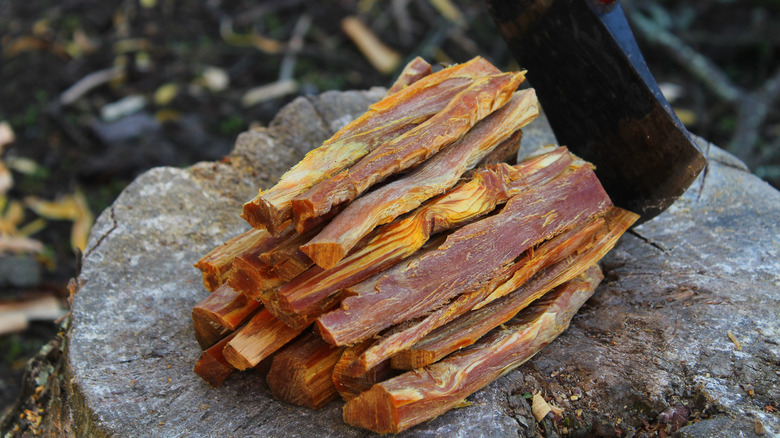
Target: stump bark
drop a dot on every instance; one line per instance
(687, 314)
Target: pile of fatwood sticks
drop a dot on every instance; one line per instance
(404, 264)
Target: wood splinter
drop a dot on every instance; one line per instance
(258, 339)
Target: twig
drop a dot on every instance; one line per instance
(88, 83)
(403, 21)
(697, 64)
(294, 46)
(753, 109)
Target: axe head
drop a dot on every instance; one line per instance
(601, 99)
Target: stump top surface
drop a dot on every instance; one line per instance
(655, 335)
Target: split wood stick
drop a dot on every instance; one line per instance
(225, 307)
(407, 334)
(208, 333)
(616, 222)
(301, 372)
(270, 299)
(506, 152)
(259, 338)
(251, 276)
(429, 179)
(286, 259)
(385, 120)
(470, 327)
(212, 365)
(484, 96)
(349, 386)
(216, 265)
(416, 396)
(469, 258)
(415, 70)
(464, 203)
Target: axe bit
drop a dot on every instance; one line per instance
(601, 99)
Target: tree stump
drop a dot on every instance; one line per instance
(684, 328)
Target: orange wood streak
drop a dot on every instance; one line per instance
(429, 179)
(415, 70)
(486, 95)
(416, 396)
(396, 241)
(225, 307)
(258, 339)
(385, 120)
(216, 264)
(212, 366)
(469, 258)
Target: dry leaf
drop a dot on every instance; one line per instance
(63, 209)
(381, 57)
(32, 227)
(215, 79)
(71, 207)
(22, 165)
(734, 340)
(165, 94)
(82, 224)
(539, 407)
(449, 11)
(6, 134)
(6, 180)
(267, 92)
(19, 244)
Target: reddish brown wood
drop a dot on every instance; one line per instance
(427, 180)
(469, 258)
(504, 281)
(415, 70)
(470, 327)
(251, 276)
(208, 333)
(506, 152)
(385, 120)
(394, 242)
(216, 265)
(301, 372)
(212, 365)
(258, 339)
(349, 386)
(224, 307)
(399, 403)
(486, 95)
(286, 260)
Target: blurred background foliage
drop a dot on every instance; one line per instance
(92, 93)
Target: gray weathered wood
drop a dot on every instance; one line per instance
(654, 336)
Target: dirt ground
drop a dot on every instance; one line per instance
(97, 92)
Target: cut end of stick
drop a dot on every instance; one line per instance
(372, 410)
(235, 358)
(411, 359)
(325, 254)
(260, 213)
(208, 332)
(212, 366)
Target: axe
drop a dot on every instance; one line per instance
(601, 99)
